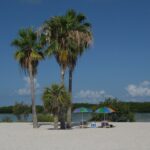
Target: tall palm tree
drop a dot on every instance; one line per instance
(56, 36)
(28, 54)
(54, 98)
(55, 30)
(81, 37)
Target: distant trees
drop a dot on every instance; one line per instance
(124, 110)
(21, 111)
(139, 107)
(6, 110)
(135, 107)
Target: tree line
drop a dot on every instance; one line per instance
(135, 107)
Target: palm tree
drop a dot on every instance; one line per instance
(81, 37)
(54, 98)
(56, 36)
(28, 55)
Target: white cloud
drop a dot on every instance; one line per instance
(26, 90)
(143, 89)
(92, 94)
(145, 83)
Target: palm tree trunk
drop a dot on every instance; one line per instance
(56, 121)
(62, 113)
(70, 106)
(34, 116)
(70, 80)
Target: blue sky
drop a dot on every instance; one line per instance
(117, 64)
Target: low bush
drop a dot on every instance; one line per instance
(45, 118)
(122, 114)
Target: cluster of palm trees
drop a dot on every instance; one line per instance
(65, 37)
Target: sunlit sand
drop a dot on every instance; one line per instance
(125, 136)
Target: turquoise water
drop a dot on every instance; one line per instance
(139, 117)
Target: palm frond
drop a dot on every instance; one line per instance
(29, 49)
(55, 97)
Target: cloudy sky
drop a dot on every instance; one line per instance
(117, 64)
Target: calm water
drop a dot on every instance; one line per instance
(140, 117)
(75, 117)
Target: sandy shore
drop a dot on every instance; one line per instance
(125, 136)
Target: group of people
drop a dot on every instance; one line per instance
(104, 124)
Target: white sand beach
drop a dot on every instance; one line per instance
(125, 136)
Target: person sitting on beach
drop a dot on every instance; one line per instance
(105, 124)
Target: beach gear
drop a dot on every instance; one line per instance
(82, 110)
(105, 110)
(93, 124)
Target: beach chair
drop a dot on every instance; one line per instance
(83, 124)
(105, 124)
(93, 125)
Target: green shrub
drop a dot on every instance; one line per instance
(97, 117)
(45, 118)
(122, 114)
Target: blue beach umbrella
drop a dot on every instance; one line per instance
(82, 110)
(104, 110)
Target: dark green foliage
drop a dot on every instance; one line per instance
(139, 107)
(28, 50)
(55, 98)
(131, 117)
(87, 105)
(122, 114)
(97, 117)
(6, 110)
(39, 109)
(45, 118)
(9, 109)
(135, 107)
(21, 109)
